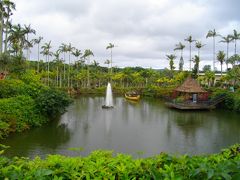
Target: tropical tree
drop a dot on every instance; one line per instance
(199, 45)
(28, 30)
(233, 60)
(210, 77)
(195, 71)
(9, 6)
(63, 49)
(227, 40)
(235, 36)
(69, 50)
(180, 47)
(213, 34)
(38, 41)
(234, 75)
(171, 58)
(17, 39)
(206, 68)
(86, 55)
(190, 40)
(76, 52)
(58, 64)
(221, 58)
(46, 52)
(110, 46)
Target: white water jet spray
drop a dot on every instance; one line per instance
(109, 98)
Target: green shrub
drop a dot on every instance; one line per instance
(21, 111)
(7, 124)
(51, 102)
(11, 88)
(15, 87)
(103, 165)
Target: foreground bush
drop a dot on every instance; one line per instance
(103, 165)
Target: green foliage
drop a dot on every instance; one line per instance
(51, 102)
(28, 103)
(20, 113)
(104, 165)
(10, 88)
(232, 100)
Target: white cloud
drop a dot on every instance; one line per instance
(144, 31)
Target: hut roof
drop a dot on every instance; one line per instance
(190, 85)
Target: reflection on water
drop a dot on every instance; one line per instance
(129, 127)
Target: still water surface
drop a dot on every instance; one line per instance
(147, 127)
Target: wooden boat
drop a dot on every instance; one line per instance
(133, 97)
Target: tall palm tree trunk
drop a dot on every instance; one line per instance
(64, 69)
(38, 60)
(6, 34)
(88, 79)
(48, 69)
(227, 55)
(190, 46)
(69, 70)
(214, 54)
(235, 48)
(57, 76)
(1, 31)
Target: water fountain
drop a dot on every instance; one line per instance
(109, 98)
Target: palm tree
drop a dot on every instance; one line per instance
(17, 39)
(213, 34)
(221, 58)
(190, 40)
(171, 58)
(46, 51)
(69, 50)
(227, 40)
(2, 12)
(9, 6)
(180, 47)
(57, 60)
(196, 60)
(86, 55)
(110, 46)
(28, 30)
(38, 41)
(76, 52)
(199, 45)
(235, 36)
(63, 48)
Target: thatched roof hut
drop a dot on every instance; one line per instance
(190, 85)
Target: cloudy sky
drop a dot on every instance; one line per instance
(144, 31)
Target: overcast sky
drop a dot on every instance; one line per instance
(144, 31)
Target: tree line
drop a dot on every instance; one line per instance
(70, 67)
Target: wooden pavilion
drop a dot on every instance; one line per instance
(190, 95)
(190, 90)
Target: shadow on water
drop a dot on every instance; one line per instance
(146, 126)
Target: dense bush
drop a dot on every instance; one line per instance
(52, 102)
(232, 100)
(157, 91)
(10, 88)
(19, 113)
(26, 102)
(103, 165)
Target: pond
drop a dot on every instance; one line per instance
(141, 128)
